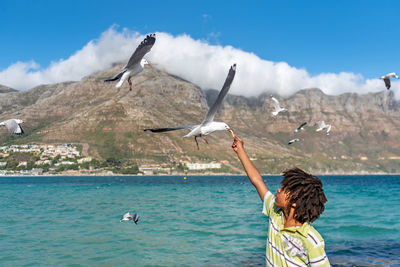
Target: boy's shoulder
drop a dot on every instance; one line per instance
(313, 236)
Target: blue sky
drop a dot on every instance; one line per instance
(360, 37)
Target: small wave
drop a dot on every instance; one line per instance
(365, 253)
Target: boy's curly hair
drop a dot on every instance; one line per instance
(306, 191)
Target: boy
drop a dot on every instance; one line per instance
(292, 241)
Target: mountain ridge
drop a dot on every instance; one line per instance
(110, 122)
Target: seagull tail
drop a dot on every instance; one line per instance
(119, 84)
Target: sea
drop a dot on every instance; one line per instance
(184, 221)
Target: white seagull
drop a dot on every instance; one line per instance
(301, 127)
(277, 107)
(136, 62)
(13, 125)
(130, 217)
(386, 79)
(294, 141)
(208, 125)
(322, 126)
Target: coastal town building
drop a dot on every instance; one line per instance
(83, 160)
(203, 166)
(150, 170)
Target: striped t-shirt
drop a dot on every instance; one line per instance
(292, 246)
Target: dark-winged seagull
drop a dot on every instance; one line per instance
(294, 141)
(130, 217)
(208, 125)
(277, 106)
(13, 125)
(136, 62)
(386, 79)
(322, 126)
(301, 127)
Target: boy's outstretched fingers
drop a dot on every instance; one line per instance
(237, 143)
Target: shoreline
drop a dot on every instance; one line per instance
(191, 174)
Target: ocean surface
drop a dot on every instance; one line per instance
(198, 221)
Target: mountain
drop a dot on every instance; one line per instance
(5, 89)
(107, 122)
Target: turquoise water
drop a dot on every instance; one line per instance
(201, 221)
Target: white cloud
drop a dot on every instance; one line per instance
(194, 60)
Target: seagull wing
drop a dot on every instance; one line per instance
(141, 50)
(116, 77)
(135, 218)
(161, 130)
(293, 141)
(228, 81)
(321, 124)
(21, 129)
(276, 104)
(328, 129)
(302, 125)
(387, 82)
(13, 127)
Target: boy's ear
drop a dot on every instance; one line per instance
(294, 205)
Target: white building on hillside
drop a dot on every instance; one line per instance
(203, 166)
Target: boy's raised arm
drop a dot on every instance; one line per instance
(249, 167)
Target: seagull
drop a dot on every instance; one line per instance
(301, 127)
(13, 125)
(294, 141)
(136, 62)
(322, 126)
(277, 107)
(208, 125)
(386, 79)
(130, 217)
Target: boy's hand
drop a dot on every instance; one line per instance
(237, 144)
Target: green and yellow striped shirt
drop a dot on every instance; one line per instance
(292, 246)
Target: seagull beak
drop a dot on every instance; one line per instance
(230, 130)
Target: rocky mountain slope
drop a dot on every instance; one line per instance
(109, 122)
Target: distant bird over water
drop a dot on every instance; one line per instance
(136, 62)
(301, 127)
(277, 106)
(208, 125)
(386, 79)
(13, 125)
(322, 126)
(130, 217)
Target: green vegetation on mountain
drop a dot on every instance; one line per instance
(107, 123)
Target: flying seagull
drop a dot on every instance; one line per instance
(322, 126)
(136, 62)
(277, 107)
(294, 141)
(386, 79)
(130, 217)
(301, 127)
(208, 125)
(13, 125)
